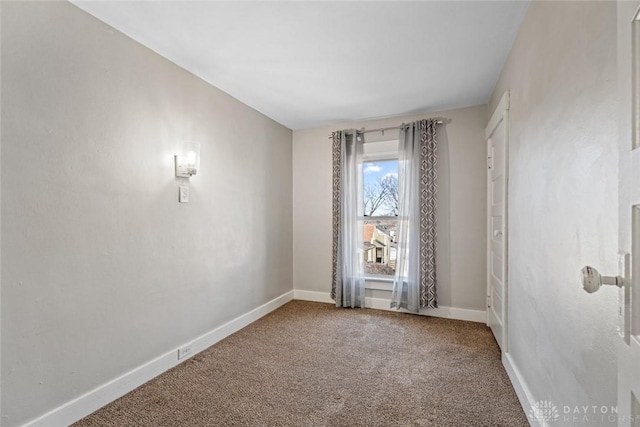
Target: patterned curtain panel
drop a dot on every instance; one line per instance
(414, 284)
(336, 275)
(347, 283)
(428, 204)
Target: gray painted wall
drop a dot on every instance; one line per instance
(563, 200)
(103, 270)
(461, 214)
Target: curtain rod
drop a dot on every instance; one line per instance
(438, 122)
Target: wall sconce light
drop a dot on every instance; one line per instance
(188, 163)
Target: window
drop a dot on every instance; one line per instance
(380, 197)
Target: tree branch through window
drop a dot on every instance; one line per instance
(381, 196)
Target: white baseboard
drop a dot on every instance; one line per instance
(84, 405)
(313, 296)
(522, 391)
(383, 304)
(445, 312)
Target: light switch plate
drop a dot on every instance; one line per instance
(183, 195)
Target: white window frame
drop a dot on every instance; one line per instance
(379, 281)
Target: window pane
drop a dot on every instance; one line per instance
(380, 192)
(380, 248)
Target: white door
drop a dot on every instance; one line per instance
(629, 214)
(497, 175)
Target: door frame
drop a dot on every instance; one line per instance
(628, 351)
(500, 114)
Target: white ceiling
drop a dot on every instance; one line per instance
(307, 64)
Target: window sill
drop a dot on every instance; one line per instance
(378, 283)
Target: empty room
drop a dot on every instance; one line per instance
(319, 213)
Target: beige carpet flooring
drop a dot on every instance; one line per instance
(311, 364)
